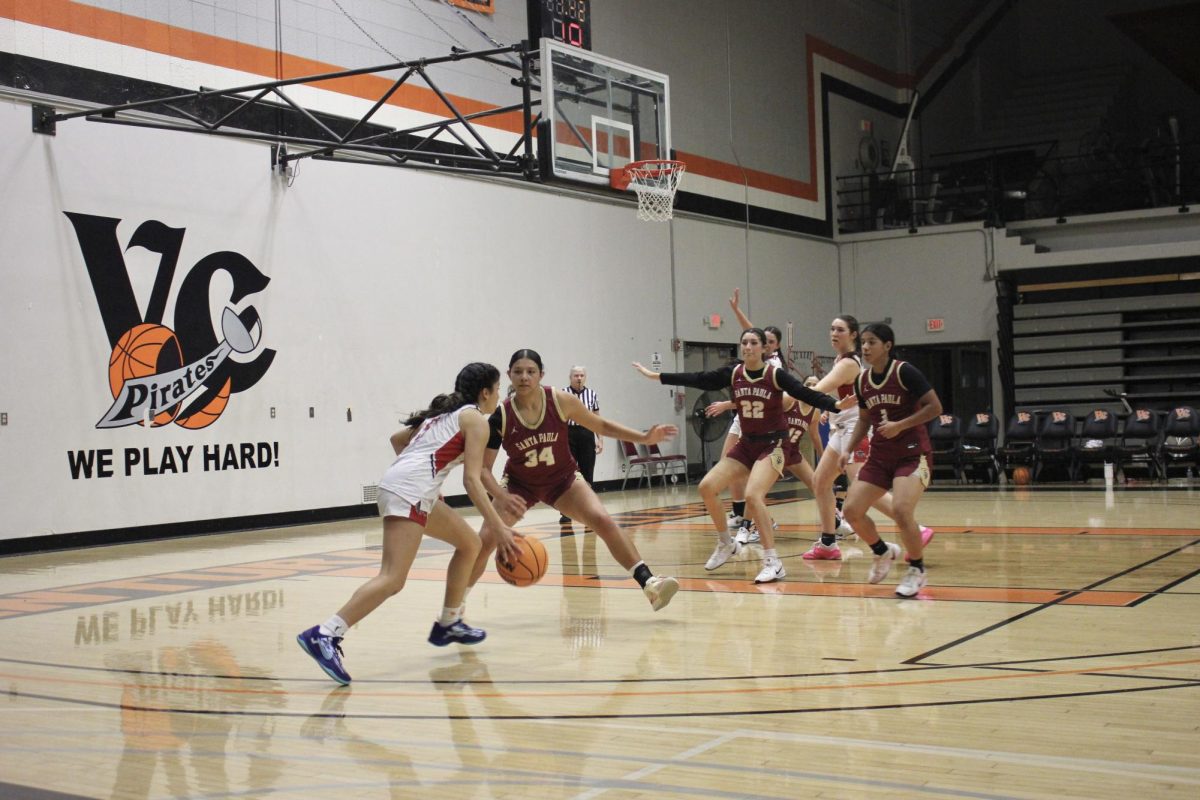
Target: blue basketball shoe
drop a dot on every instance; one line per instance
(459, 631)
(326, 651)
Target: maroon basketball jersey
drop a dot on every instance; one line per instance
(847, 389)
(759, 401)
(889, 401)
(798, 422)
(538, 453)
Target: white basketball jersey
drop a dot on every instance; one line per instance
(433, 451)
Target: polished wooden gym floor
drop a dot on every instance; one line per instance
(1056, 653)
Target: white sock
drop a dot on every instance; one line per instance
(334, 626)
(725, 537)
(450, 616)
(770, 555)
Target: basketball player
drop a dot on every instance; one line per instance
(843, 335)
(759, 456)
(531, 425)
(452, 431)
(746, 532)
(896, 399)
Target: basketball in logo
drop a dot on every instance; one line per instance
(146, 349)
(210, 412)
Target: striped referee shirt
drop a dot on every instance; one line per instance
(589, 400)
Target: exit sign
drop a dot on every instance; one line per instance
(935, 325)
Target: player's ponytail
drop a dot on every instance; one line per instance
(472, 380)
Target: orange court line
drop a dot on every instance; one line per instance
(62, 597)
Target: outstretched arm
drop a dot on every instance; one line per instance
(734, 303)
(713, 379)
(577, 411)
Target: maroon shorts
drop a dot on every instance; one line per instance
(792, 454)
(545, 493)
(881, 470)
(747, 451)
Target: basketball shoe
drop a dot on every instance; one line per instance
(926, 538)
(659, 590)
(913, 582)
(722, 554)
(457, 631)
(843, 528)
(883, 564)
(772, 571)
(326, 651)
(820, 552)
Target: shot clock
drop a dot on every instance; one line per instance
(567, 21)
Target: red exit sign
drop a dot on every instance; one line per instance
(935, 325)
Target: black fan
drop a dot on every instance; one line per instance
(709, 429)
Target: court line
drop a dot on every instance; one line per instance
(555, 779)
(1058, 601)
(559, 681)
(576, 694)
(679, 760)
(1163, 589)
(638, 715)
(1158, 772)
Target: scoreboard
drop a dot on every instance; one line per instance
(567, 21)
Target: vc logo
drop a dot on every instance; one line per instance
(182, 373)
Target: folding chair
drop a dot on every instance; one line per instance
(1139, 443)
(978, 446)
(633, 459)
(1056, 442)
(1097, 442)
(667, 463)
(1179, 449)
(945, 436)
(1020, 443)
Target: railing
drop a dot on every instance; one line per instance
(1028, 181)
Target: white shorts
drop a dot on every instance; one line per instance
(839, 440)
(393, 505)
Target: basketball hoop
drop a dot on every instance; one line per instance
(655, 182)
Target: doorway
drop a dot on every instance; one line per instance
(960, 373)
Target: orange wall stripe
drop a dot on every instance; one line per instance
(110, 26)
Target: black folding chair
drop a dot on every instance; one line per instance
(1056, 443)
(1097, 442)
(945, 438)
(1020, 443)
(978, 446)
(1179, 449)
(1138, 447)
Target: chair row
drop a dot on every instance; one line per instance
(1053, 439)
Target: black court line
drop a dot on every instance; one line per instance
(212, 712)
(1049, 604)
(601, 681)
(1163, 589)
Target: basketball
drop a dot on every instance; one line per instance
(529, 567)
(1021, 476)
(143, 350)
(203, 417)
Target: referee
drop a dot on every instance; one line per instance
(584, 444)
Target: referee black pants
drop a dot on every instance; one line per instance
(583, 446)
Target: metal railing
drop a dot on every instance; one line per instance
(1026, 181)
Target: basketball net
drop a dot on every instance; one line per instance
(655, 183)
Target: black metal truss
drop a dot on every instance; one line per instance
(264, 112)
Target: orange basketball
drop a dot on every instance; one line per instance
(143, 350)
(529, 567)
(1021, 476)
